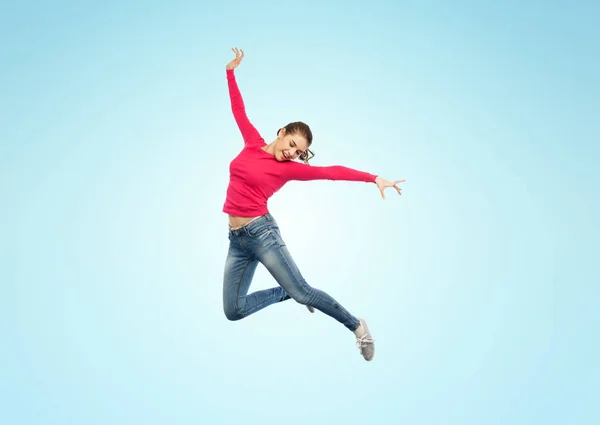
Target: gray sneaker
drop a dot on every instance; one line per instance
(366, 343)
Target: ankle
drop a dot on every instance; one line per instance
(360, 330)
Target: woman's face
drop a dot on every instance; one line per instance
(289, 146)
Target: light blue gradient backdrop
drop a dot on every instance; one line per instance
(479, 283)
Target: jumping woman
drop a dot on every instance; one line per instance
(255, 175)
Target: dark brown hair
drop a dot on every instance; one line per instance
(303, 130)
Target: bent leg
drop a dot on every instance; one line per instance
(239, 271)
(280, 264)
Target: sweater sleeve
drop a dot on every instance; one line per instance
(249, 133)
(304, 172)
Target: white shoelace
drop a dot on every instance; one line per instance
(362, 341)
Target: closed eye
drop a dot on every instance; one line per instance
(293, 144)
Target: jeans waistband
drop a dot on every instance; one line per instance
(242, 228)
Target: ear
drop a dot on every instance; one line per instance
(281, 132)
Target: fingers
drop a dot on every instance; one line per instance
(382, 194)
(237, 53)
(396, 187)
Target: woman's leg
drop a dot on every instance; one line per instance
(263, 240)
(239, 271)
(277, 259)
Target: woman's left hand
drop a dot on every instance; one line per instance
(238, 59)
(382, 184)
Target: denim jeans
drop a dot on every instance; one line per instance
(260, 241)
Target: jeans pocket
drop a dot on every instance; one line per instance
(277, 235)
(258, 228)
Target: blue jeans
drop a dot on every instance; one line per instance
(260, 241)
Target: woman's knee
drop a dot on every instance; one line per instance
(231, 313)
(303, 294)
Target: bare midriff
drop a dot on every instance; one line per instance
(235, 221)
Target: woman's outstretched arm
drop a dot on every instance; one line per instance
(304, 172)
(249, 133)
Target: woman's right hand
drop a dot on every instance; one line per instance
(383, 184)
(238, 59)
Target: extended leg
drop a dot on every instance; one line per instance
(280, 264)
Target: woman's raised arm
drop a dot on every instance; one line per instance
(249, 133)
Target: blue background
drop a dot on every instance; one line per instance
(479, 284)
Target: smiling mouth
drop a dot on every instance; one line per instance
(285, 155)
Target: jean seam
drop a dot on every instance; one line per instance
(257, 307)
(290, 268)
(237, 289)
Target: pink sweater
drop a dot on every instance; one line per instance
(256, 175)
